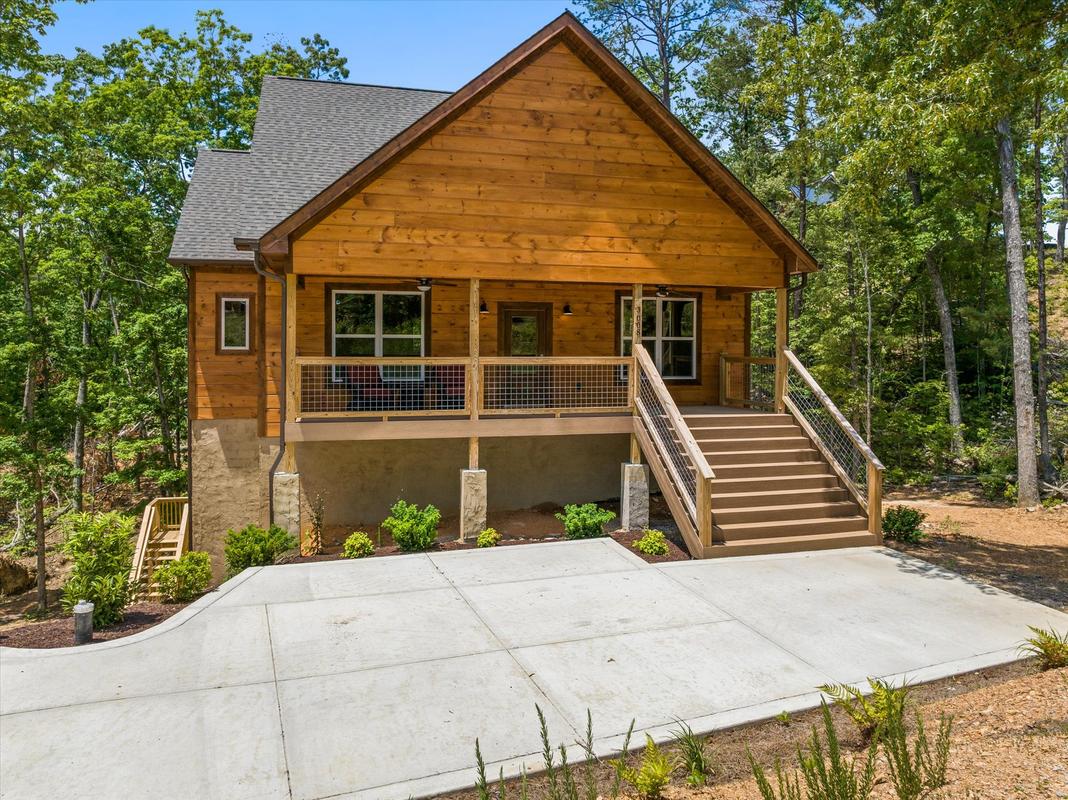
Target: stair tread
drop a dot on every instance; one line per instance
(799, 539)
(814, 521)
(765, 464)
(788, 507)
(765, 478)
(770, 492)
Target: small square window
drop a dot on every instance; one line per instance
(235, 324)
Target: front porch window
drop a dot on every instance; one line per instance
(378, 324)
(669, 334)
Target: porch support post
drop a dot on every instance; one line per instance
(473, 494)
(289, 463)
(781, 341)
(635, 340)
(474, 391)
(634, 498)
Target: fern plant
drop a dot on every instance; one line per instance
(868, 712)
(652, 774)
(1050, 647)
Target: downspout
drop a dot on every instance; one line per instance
(281, 384)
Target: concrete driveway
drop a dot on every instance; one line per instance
(371, 679)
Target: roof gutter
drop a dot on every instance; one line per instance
(257, 264)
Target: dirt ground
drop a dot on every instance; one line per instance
(1009, 740)
(58, 631)
(1024, 552)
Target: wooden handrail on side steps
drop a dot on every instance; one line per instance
(165, 519)
(872, 500)
(693, 513)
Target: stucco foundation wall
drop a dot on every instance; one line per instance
(229, 481)
(362, 479)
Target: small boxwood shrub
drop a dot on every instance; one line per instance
(903, 524)
(653, 543)
(413, 529)
(584, 522)
(184, 579)
(358, 545)
(101, 549)
(488, 538)
(252, 546)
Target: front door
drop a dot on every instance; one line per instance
(525, 330)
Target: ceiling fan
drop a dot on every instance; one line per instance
(424, 284)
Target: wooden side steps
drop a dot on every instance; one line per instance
(773, 491)
(164, 536)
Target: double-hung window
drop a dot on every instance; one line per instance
(378, 324)
(669, 334)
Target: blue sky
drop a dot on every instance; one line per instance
(433, 44)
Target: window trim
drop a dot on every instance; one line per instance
(697, 378)
(249, 299)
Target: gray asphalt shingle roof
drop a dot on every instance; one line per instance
(308, 134)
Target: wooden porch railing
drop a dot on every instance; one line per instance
(747, 381)
(675, 458)
(447, 387)
(847, 453)
(165, 522)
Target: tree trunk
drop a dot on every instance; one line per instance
(89, 304)
(1059, 258)
(945, 321)
(1016, 280)
(29, 402)
(1045, 458)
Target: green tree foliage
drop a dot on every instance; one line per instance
(96, 152)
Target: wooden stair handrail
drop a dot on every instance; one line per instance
(704, 475)
(874, 500)
(159, 516)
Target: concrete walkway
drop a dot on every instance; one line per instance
(372, 679)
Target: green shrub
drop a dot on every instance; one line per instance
(652, 774)
(100, 547)
(488, 538)
(652, 543)
(252, 546)
(1050, 647)
(696, 758)
(358, 545)
(902, 523)
(827, 774)
(584, 522)
(868, 713)
(184, 579)
(916, 770)
(413, 529)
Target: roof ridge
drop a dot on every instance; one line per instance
(358, 83)
(226, 150)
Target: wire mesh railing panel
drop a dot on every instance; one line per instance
(841, 446)
(378, 387)
(517, 387)
(748, 381)
(668, 441)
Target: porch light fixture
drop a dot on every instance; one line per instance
(662, 291)
(567, 309)
(483, 308)
(424, 285)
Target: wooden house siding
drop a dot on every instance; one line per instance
(551, 172)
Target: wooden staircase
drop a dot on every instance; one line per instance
(164, 536)
(744, 483)
(773, 491)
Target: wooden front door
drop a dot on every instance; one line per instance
(525, 329)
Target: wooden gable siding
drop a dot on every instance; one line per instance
(551, 172)
(222, 385)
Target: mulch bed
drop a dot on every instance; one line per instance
(625, 538)
(60, 632)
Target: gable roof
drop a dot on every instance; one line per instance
(307, 133)
(565, 28)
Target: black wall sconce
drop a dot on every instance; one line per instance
(483, 308)
(567, 309)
